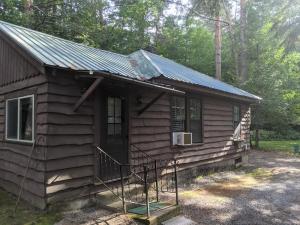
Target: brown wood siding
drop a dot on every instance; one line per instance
(13, 66)
(14, 155)
(151, 131)
(70, 139)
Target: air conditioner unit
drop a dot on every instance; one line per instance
(182, 138)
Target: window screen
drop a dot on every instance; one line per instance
(195, 119)
(19, 119)
(178, 113)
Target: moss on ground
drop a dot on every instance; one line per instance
(25, 215)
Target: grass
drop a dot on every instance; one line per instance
(285, 146)
(25, 215)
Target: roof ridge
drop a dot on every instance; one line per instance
(152, 63)
(193, 70)
(59, 38)
(208, 76)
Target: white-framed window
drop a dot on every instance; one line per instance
(20, 119)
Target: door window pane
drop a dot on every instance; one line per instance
(114, 119)
(12, 119)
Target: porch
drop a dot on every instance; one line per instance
(123, 172)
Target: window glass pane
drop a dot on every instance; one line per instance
(26, 115)
(110, 107)
(195, 109)
(12, 119)
(110, 129)
(114, 120)
(117, 129)
(178, 113)
(195, 120)
(118, 107)
(110, 119)
(117, 119)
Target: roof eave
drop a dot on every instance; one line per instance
(208, 90)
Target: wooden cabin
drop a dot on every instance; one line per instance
(59, 100)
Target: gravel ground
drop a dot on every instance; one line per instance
(265, 192)
(95, 216)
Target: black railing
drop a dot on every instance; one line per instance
(138, 182)
(160, 171)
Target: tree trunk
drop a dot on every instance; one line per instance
(256, 138)
(218, 46)
(243, 53)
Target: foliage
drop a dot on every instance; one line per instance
(185, 34)
(285, 146)
(291, 134)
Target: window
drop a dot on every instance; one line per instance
(195, 119)
(114, 120)
(186, 115)
(236, 116)
(178, 114)
(19, 119)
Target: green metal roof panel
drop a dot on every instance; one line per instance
(175, 71)
(140, 65)
(54, 51)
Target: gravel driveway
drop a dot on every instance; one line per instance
(265, 192)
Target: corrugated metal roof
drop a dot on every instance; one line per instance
(54, 51)
(140, 65)
(178, 72)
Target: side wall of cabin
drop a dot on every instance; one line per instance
(151, 131)
(70, 153)
(18, 77)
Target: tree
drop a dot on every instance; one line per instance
(212, 9)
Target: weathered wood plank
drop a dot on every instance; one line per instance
(69, 174)
(70, 184)
(71, 162)
(65, 151)
(29, 185)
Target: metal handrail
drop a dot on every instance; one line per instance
(101, 150)
(142, 177)
(143, 152)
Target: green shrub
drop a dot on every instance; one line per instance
(267, 135)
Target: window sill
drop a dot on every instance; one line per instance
(19, 141)
(186, 146)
